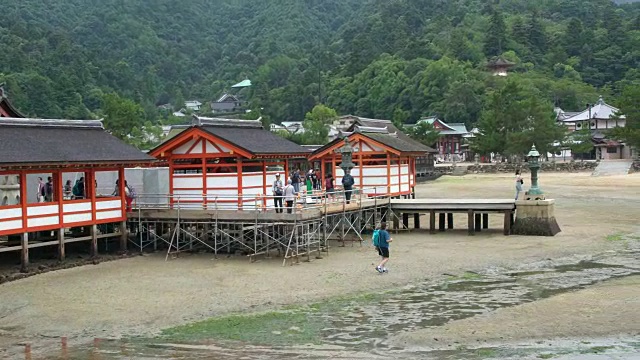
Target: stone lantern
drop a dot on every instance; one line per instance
(534, 193)
(347, 154)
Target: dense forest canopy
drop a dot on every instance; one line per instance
(393, 59)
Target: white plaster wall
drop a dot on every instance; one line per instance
(10, 225)
(113, 214)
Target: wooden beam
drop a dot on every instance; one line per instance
(61, 252)
(94, 240)
(507, 222)
(124, 234)
(24, 254)
(470, 215)
(239, 165)
(432, 221)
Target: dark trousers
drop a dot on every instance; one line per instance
(277, 200)
(347, 195)
(289, 206)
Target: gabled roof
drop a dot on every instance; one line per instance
(500, 62)
(447, 128)
(47, 141)
(390, 141)
(6, 108)
(228, 98)
(600, 110)
(247, 135)
(242, 84)
(382, 124)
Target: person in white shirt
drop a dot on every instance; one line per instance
(289, 196)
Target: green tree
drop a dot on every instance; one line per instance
(630, 108)
(580, 142)
(425, 133)
(514, 118)
(316, 124)
(122, 116)
(496, 38)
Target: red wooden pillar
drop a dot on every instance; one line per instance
(360, 159)
(171, 183)
(239, 164)
(123, 200)
(388, 173)
(204, 177)
(23, 198)
(91, 186)
(264, 184)
(399, 175)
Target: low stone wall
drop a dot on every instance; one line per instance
(576, 166)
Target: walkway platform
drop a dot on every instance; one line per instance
(477, 211)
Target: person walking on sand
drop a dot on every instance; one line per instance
(519, 183)
(382, 245)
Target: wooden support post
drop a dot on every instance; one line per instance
(450, 221)
(124, 235)
(61, 254)
(24, 256)
(441, 222)
(507, 222)
(405, 220)
(94, 240)
(416, 221)
(485, 221)
(470, 222)
(396, 222)
(432, 222)
(478, 224)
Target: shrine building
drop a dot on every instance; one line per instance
(57, 155)
(384, 163)
(225, 163)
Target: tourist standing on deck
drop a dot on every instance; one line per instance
(347, 185)
(328, 186)
(277, 194)
(383, 247)
(289, 196)
(48, 190)
(295, 180)
(41, 191)
(67, 190)
(519, 183)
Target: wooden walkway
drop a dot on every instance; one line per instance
(477, 211)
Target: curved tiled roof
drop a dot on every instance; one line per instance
(46, 141)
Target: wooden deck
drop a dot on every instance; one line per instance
(309, 212)
(477, 211)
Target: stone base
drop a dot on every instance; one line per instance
(535, 217)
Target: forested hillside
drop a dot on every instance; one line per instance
(397, 59)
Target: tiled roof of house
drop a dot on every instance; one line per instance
(600, 110)
(385, 124)
(450, 128)
(47, 141)
(245, 134)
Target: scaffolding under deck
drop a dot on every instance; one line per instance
(256, 231)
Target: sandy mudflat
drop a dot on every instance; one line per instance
(609, 309)
(144, 294)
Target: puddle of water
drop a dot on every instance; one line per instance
(359, 329)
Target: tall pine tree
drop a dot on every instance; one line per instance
(496, 39)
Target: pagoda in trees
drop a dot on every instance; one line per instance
(500, 66)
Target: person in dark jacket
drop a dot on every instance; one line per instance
(347, 185)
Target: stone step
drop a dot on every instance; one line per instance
(613, 167)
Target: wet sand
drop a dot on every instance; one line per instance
(142, 295)
(610, 309)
